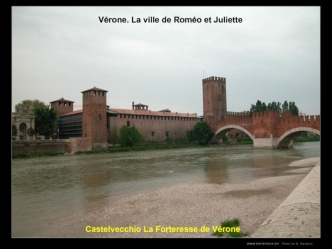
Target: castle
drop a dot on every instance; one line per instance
(96, 124)
(99, 123)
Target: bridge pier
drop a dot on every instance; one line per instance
(265, 143)
(270, 143)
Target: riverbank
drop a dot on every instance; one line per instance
(298, 216)
(113, 149)
(188, 205)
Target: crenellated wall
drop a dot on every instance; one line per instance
(268, 129)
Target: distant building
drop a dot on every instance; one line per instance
(100, 122)
(23, 121)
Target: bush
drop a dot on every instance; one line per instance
(201, 133)
(229, 224)
(130, 136)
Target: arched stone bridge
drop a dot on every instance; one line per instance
(268, 129)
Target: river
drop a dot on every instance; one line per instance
(47, 189)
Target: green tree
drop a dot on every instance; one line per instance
(45, 118)
(27, 106)
(293, 108)
(274, 106)
(201, 133)
(130, 136)
(31, 132)
(285, 106)
(259, 107)
(14, 130)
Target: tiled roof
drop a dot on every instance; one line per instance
(153, 113)
(62, 100)
(142, 112)
(72, 113)
(94, 89)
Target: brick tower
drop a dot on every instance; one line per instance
(214, 99)
(94, 125)
(62, 106)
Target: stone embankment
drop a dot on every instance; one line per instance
(298, 216)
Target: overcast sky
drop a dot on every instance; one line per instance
(272, 55)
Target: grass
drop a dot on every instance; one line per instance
(110, 149)
(139, 148)
(306, 139)
(35, 154)
(230, 225)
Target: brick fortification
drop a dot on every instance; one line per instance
(268, 129)
(94, 123)
(154, 125)
(62, 106)
(214, 99)
(99, 122)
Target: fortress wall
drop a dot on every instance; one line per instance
(55, 145)
(176, 128)
(79, 144)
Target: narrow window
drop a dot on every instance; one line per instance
(128, 123)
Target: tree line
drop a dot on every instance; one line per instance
(274, 106)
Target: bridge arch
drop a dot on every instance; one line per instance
(223, 130)
(288, 136)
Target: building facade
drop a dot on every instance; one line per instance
(97, 122)
(100, 123)
(22, 121)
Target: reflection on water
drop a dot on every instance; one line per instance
(47, 189)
